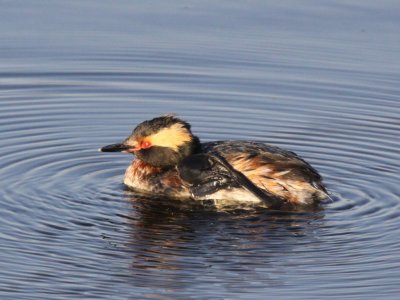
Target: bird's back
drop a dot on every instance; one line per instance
(273, 169)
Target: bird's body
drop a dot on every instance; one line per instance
(172, 162)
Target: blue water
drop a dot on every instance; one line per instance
(320, 78)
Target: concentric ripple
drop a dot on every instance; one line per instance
(67, 202)
(70, 229)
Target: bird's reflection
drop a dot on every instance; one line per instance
(176, 243)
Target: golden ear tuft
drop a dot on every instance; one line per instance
(172, 137)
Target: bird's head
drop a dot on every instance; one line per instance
(161, 142)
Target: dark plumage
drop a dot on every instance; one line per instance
(207, 174)
(153, 126)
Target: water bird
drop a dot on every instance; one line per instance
(171, 161)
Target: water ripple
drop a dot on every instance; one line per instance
(66, 217)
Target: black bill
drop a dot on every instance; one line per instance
(115, 148)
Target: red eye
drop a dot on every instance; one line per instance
(145, 145)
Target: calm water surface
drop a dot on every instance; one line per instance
(320, 78)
